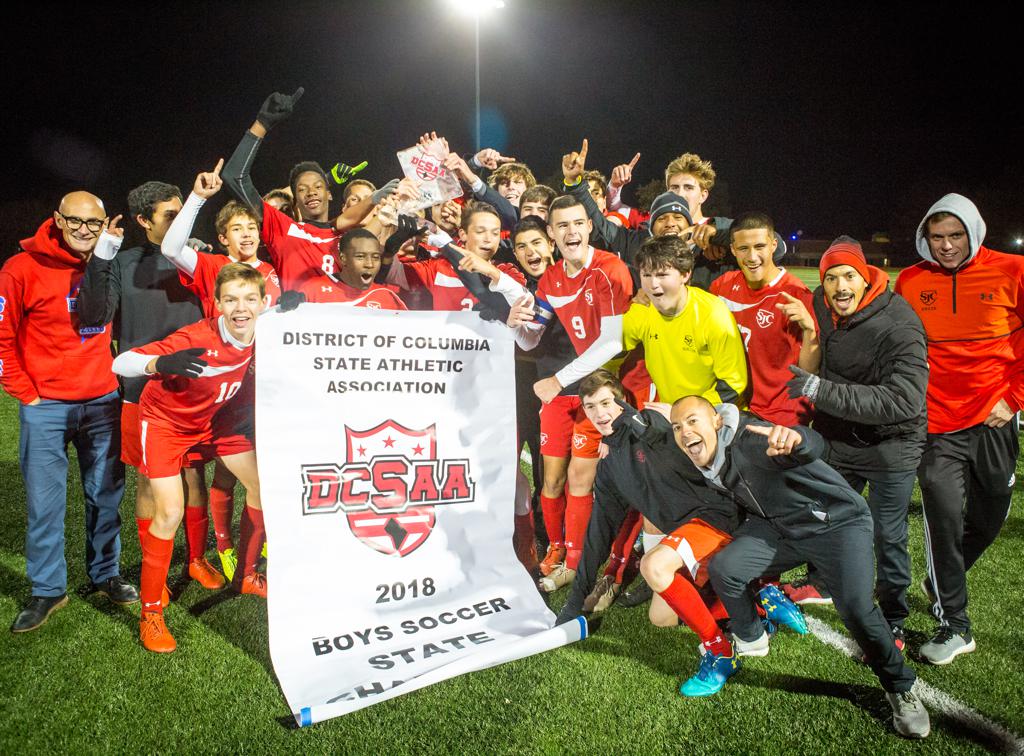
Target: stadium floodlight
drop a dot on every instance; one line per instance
(477, 8)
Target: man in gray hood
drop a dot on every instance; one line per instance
(971, 302)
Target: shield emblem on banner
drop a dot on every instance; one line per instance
(407, 528)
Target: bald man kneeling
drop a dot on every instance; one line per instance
(798, 510)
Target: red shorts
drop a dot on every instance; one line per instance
(166, 451)
(565, 430)
(131, 449)
(695, 542)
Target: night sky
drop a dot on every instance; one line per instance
(834, 121)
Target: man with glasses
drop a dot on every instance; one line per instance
(60, 372)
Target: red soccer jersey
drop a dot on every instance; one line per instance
(190, 404)
(377, 297)
(298, 250)
(203, 280)
(602, 289)
(437, 276)
(772, 342)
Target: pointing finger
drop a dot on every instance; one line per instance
(298, 95)
(583, 150)
(633, 161)
(220, 165)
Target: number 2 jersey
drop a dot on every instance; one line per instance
(437, 276)
(192, 405)
(603, 288)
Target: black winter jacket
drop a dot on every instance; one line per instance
(798, 494)
(874, 372)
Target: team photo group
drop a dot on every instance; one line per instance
(698, 421)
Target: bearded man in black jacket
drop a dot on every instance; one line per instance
(869, 404)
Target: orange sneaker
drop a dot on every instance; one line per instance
(554, 557)
(205, 574)
(254, 584)
(154, 633)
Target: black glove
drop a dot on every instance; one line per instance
(407, 229)
(290, 299)
(187, 362)
(342, 172)
(276, 108)
(385, 191)
(199, 245)
(803, 384)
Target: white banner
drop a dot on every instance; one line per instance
(387, 452)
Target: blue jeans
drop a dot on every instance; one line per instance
(46, 429)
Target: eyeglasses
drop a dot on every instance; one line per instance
(75, 223)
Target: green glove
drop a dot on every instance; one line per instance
(341, 172)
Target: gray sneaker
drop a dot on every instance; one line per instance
(946, 645)
(909, 717)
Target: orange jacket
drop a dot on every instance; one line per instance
(973, 319)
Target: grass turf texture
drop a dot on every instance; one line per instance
(82, 683)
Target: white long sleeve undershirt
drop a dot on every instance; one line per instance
(175, 244)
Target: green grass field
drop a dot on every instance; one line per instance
(83, 684)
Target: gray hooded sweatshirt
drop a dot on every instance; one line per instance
(967, 212)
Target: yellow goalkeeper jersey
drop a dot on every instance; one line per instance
(699, 351)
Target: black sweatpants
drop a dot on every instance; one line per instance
(966, 481)
(843, 558)
(889, 500)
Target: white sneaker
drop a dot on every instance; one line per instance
(559, 577)
(758, 647)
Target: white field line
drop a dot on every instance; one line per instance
(935, 699)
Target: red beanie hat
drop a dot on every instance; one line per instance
(844, 251)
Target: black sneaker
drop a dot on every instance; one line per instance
(118, 590)
(37, 611)
(900, 637)
(639, 593)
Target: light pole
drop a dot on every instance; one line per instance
(477, 8)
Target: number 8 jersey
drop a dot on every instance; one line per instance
(188, 405)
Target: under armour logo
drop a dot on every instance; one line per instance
(326, 288)
(211, 352)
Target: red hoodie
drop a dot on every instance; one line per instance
(44, 353)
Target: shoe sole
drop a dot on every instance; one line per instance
(42, 622)
(812, 601)
(972, 646)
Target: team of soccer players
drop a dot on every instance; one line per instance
(719, 406)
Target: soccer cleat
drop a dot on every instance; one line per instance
(228, 562)
(154, 634)
(781, 610)
(254, 585)
(554, 557)
(560, 576)
(714, 670)
(909, 716)
(946, 645)
(603, 595)
(805, 591)
(639, 593)
(205, 574)
(757, 647)
(37, 611)
(263, 551)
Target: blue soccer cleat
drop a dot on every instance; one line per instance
(781, 610)
(714, 670)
